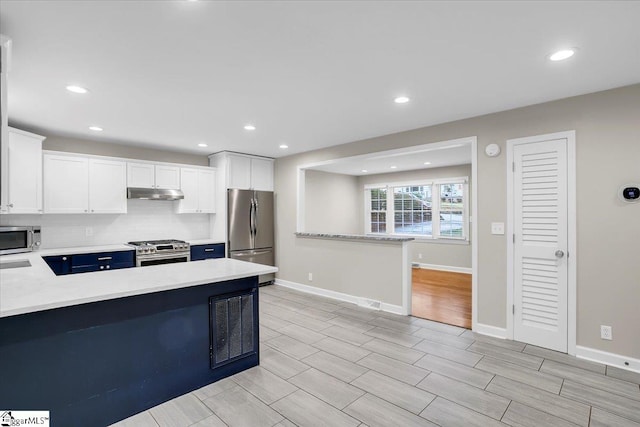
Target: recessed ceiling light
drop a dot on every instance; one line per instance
(401, 100)
(394, 167)
(96, 128)
(249, 127)
(202, 144)
(77, 89)
(427, 163)
(562, 54)
(364, 170)
(284, 146)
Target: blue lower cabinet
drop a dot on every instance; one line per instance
(200, 252)
(97, 363)
(60, 264)
(83, 263)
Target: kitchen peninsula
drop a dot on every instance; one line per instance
(97, 347)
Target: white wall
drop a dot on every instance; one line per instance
(146, 219)
(333, 203)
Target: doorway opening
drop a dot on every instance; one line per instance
(441, 296)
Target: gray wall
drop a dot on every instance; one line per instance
(333, 203)
(608, 149)
(436, 252)
(74, 145)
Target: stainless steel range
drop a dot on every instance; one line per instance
(154, 252)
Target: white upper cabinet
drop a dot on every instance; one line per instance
(198, 186)
(239, 172)
(24, 178)
(141, 175)
(262, 174)
(107, 186)
(148, 175)
(247, 172)
(207, 191)
(167, 177)
(76, 184)
(66, 184)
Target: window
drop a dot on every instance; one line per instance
(412, 210)
(451, 210)
(431, 210)
(378, 210)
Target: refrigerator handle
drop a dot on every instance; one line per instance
(251, 222)
(255, 219)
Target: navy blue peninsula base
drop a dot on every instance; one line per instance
(97, 363)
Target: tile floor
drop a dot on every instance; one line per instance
(328, 363)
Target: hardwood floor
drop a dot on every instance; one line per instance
(442, 296)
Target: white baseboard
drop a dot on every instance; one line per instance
(449, 268)
(492, 331)
(611, 359)
(360, 301)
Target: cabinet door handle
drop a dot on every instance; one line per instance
(10, 205)
(85, 210)
(209, 250)
(105, 258)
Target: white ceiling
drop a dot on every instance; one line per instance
(441, 154)
(310, 74)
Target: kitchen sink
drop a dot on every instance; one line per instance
(15, 264)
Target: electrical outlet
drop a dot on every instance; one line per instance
(606, 333)
(311, 277)
(88, 231)
(419, 256)
(497, 228)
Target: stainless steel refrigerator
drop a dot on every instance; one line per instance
(250, 227)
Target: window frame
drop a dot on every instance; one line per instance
(435, 185)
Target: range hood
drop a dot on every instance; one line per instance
(154, 194)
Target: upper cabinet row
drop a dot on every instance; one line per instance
(75, 183)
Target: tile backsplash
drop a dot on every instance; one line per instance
(144, 220)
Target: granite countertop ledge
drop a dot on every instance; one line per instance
(371, 238)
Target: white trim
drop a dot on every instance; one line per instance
(300, 210)
(611, 359)
(473, 223)
(360, 301)
(406, 280)
(398, 184)
(423, 148)
(492, 331)
(570, 136)
(449, 268)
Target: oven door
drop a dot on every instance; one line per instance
(143, 261)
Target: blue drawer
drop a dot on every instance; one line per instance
(102, 261)
(200, 252)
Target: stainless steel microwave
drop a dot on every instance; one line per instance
(15, 240)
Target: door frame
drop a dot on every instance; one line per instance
(570, 136)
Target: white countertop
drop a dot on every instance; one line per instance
(82, 250)
(36, 288)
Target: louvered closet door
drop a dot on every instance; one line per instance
(540, 250)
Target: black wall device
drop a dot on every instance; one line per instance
(630, 193)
